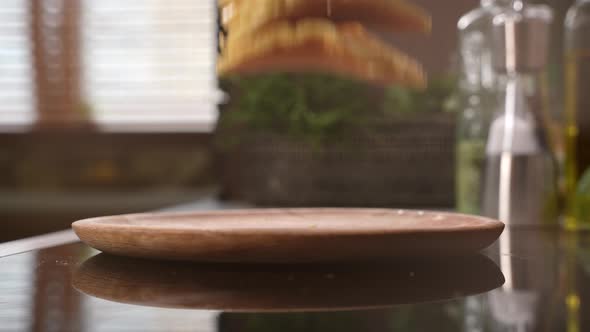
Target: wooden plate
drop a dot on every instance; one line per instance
(289, 235)
(284, 287)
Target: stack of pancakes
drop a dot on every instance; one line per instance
(322, 36)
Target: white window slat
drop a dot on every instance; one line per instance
(16, 78)
(150, 61)
(142, 61)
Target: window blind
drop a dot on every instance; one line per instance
(16, 77)
(150, 63)
(126, 65)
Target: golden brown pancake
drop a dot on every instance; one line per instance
(387, 15)
(319, 45)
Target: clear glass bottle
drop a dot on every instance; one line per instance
(478, 87)
(474, 30)
(577, 105)
(520, 186)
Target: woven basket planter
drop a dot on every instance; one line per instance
(404, 163)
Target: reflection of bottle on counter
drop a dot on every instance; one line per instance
(568, 267)
(520, 180)
(577, 104)
(478, 87)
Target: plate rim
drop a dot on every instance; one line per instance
(484, 223)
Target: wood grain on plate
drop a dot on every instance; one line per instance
(289, 235)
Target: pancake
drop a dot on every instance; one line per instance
(385, 15)
(319, 45)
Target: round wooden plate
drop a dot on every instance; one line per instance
(289, 235)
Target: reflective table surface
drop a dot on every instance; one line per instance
(529, 280)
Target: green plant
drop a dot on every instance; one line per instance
(313, 106)
(438, 96)
(320, 107)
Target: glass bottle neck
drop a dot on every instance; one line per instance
(498, 3)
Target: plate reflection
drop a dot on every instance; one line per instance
(284, 288)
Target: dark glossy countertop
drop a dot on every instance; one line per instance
(540, 281)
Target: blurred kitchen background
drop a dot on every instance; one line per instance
(111, 107)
